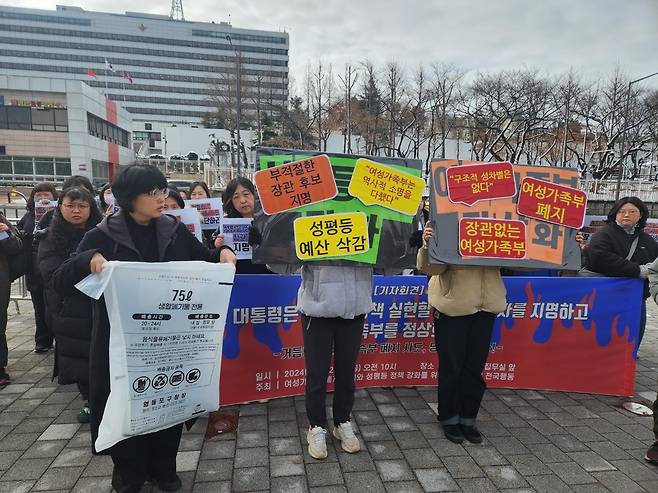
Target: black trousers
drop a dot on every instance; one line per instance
(463, 346)
(145, 456)
(5, 289)
(322, 337)
(43, 336)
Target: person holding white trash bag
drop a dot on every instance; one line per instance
(139, 232)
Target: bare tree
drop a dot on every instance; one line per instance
(348, 82)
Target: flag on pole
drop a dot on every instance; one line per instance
(108, 66)
(92, 74)
(127, 76)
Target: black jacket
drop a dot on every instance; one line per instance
(68, 311)
(112, 239)
(607, 250)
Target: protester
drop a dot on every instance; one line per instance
(42, 193)
(10, 244)
(69, 311)
(239, 200)
(651, 454)
(622, 249)
(174, 200)
(199, 190)
(70, 182)
(138, 232)
(466, 300)
(106, 199)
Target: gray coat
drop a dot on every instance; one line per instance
(332, 291)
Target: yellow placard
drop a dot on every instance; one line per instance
(377, 184)
(331, 235)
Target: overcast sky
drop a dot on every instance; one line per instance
(591, 36)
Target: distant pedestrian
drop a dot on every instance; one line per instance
(10, 244)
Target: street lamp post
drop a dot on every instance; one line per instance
(238, 99)
(622, 159)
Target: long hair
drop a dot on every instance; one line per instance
(644, 211)
(201, 184)
(44, 186)
(60, 231)
(227, 197)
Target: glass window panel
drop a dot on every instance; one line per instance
(61, 120)
(3, 117)
(43, 119)
(44, 166)
(63, 167)
(18, 118)
(23, 166)
(5, 165)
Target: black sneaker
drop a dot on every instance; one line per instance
(42, 349)
(4, 378)
(471, 433)
(172, 485)
(652, 454)
(453, 433)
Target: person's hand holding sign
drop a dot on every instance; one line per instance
(97, 262)
(428, 232)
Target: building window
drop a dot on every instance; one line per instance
(2, 150)
(148, 126)
(43, 119)
(44, 166)
(61, 120)
(18, 118)
(106, 131)
(62, 167)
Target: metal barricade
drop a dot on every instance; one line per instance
(19, 292)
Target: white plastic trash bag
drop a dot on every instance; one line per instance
(166, 332)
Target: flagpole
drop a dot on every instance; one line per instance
(106, 79)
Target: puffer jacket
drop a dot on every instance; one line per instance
(458, 290)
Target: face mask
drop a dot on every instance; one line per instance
(109, 199)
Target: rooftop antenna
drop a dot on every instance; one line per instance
(177, 10)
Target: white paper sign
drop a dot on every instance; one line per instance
(210, 209)
(190, 218)
(236, 236)
(166, 333)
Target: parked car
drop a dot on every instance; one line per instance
(156, 156)
(180, 184)
(176, 157)
(192, 156)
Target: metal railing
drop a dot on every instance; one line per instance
(605, 190)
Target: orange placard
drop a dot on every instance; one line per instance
(552, 203)
(292, 185)
(491, 238)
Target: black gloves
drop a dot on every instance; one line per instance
(254, 236)
(416, 239)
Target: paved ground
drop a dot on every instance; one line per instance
(535, 441)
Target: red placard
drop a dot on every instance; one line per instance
(472, 183)
(296, 184)
(552, 203)
(492, 238)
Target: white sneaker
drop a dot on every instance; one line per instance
(348, 440)
(317, 445)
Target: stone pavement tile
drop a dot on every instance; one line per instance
(389, 410)
(81, 439)
(251, 423)
(510, 420)
(617, 481)
(494, 406)
(329, 489)
(649, 485)
(68, 416)
(16, 486)
(93, 485)
(493, 429)
(384, 450)
(278, 414)
(50, 411)
(462, 467)
(581, 412)
(528, 436)
(586, 434)
(435, 480)
(191, 442)
(214, 470)
(58, 479)
(637, 430)
(528, 465)
(565, 419)
(252, 439)
(549, 483)
(530, 395)
(568, 443)
(290, 484)
(17, 441)
(636, 470)
(376, 433)
(513, 400)
(591, 461)
(546, 406)
(38, 392)
(413, 403)
(253, 409)
(73, 457)
(12, 419)
(478, 485)
(422, 415)
(250, 457)
(406, 391)
(358, 462)
(281, 429)
(547, 427)
(26, 469)
(505, 476)
(617, 417)
(16, 388)
(33, 425)
(8, 458)
(394, 470)
(381, 396)
(218, 449)
(561, 398)
(285, 446)
(603, 426)
(364, 404)
(595, 405)
(99, 465)
(445, 448)
(410, 439)
(286, 465)
(424, 458)
(625, 441)
(251, 479)
(24, 405)
(363, 482)
(365, 418)
(430, 430)
(400, 423)
(60, 397)
(571, 473)
(609, 451)
(547, 453)
(323, 474)
(7, 399)
(508, 445)
(59, 432)
(526, 412)
(403, 487)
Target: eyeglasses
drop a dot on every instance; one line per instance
(76, 207)
(630, 212)
(158, 192)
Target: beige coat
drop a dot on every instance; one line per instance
(458, 290)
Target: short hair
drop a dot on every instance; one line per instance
(78, 181)
(201, 184)
(232, 186)
(44, 186)
(174, 194)
(644, 210)
(101, 196)
(135, 180)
